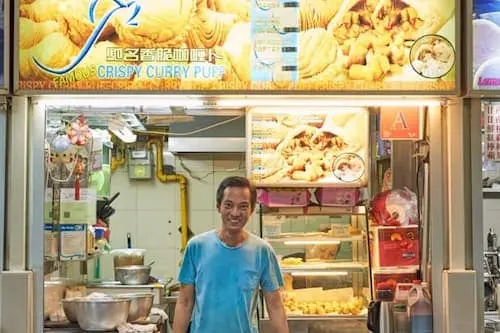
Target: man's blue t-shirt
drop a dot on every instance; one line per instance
(226, 281)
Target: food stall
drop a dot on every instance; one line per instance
(227, 55)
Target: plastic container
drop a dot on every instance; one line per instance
(128, 257)
(99, 233)
(400, 308)
(337, 197)
(400, 318)
(420, 310)
(284, 198)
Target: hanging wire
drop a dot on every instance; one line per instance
(202, 178)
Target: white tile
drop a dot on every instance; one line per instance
(229, 162)
(216, 218)
(155, 195)
(201, 221)
(201, 194)
(157, 229)
(219, 176)
(123, 169)
(194, 162)
(165, 262)
(123, 222)
(128, 191)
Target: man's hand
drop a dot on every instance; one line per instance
(184, 309)
(276, 311)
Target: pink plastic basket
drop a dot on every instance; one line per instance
(284, 198)
(337, 197)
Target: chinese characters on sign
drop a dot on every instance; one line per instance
(117, 54)
(492, 133)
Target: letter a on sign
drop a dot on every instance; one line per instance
(401, 123)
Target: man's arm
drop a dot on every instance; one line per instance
(184, 309)
(276, 311)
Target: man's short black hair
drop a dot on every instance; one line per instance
(236, 181)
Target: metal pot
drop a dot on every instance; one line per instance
(70, 309)
(102, 314)
(133, 275)
(140, 305)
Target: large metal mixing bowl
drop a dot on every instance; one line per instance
(69, 307)
(140, 305)
(133, 275)
(102, 314)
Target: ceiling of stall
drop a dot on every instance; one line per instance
(190, 129)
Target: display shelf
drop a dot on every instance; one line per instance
(324, 267)
(395, 269)
(326, 317)
(312, 240)
(315, 210)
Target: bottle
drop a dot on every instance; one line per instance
(412, 295)
(420, 310)
(491, 240)
(400, 308)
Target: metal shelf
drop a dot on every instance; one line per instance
(312, 239)
(325, 267)
(315, 210)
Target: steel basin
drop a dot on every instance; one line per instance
(133, 275)
(140, 305)
(102, 314)
(70, 309)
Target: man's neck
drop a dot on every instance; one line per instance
(232, 239)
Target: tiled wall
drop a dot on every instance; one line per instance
(149, 210)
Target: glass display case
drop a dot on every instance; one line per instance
(324, 259)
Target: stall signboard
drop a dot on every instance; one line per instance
(236, 45)
(308, 147)
(485, 46)
(401, 123)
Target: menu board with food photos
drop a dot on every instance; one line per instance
(236, 45)
(309, 147)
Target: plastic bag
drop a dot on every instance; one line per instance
(395, 208)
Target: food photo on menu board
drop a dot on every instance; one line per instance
(486, 50)
(313, 147)
(231, 45)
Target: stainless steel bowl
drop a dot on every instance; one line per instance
(140, 305)
(102, 314)
(133, 275)
(69, 307)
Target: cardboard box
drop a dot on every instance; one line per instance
(396, 246)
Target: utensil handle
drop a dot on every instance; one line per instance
(113, 198)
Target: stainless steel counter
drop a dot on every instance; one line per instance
(320, 324)
(66, 327)
(316, 324)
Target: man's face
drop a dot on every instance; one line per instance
(235, 208)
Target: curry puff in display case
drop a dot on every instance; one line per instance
(308, 147)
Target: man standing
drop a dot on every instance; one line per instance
(223, 269)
